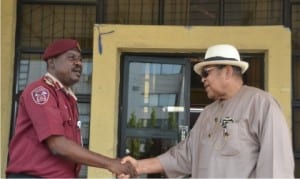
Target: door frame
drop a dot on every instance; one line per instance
(123, 131)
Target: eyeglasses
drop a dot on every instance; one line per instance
(205, 72)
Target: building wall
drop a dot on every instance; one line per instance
(8, 28)
(176, 39)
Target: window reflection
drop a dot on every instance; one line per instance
(31, 68)
(147, 147)
(84, 117)
(152, 88)
(85, 82)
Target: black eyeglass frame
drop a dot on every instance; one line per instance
(205, 71)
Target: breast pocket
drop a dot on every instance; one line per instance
(229, 142)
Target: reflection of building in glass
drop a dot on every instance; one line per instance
(84, 117)
(30, 70)
(84, 84)
(152, 88)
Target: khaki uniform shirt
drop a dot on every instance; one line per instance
(254, 142)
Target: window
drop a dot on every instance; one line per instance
(193, 12)
(154, 106)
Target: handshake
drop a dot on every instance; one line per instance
(131, 168)
(127, 167)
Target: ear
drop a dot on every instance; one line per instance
(228, 71)
(51, 63)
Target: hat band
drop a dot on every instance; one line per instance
(219, 58)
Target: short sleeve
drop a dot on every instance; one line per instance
(41, 104)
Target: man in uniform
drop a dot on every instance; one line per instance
(242, 134)
(47, 141)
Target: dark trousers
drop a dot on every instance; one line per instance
(20, 175)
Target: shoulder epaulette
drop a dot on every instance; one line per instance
(49, 81)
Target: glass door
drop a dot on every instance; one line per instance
(154, 104)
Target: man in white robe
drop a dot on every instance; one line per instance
(242, 134)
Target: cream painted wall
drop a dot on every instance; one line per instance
(8, 28)
(275, 41)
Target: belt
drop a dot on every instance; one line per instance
(20, 175)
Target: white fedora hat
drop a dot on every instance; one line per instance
(222, 54)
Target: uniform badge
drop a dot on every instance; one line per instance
(40, 95)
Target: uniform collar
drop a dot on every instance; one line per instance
(52, 81)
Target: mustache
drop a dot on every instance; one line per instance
(77, 69)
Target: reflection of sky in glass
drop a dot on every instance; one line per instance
(159, 68)
(154, 86)
(171, 69)
(153, 100)
(167, 100)
(161, 100)
(87, 67)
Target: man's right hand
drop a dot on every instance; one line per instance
(119, 168)
(144, 166)
(130, 160)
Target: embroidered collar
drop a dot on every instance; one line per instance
(54, 82)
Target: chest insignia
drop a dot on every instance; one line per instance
(40, 95)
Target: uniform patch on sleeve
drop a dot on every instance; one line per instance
(40, 95)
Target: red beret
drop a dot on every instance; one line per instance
(60, 46)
